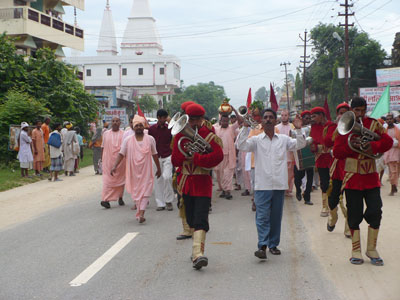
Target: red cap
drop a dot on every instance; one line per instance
(184, 105)
(195, 110)
(317, 110)
(342, 105)
(306, 112)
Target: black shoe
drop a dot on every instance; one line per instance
(245, 193)
(298, 196)
(200, 262)
(261, 254)
(330, 228)
(308, 203)
(275, 251)
(253, 207)
(121, 202)
(160, 208)
(105, 204)
(169, 207)
(183, 237)
(223, 195)
(228, 196)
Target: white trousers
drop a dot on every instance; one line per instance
(163, 185)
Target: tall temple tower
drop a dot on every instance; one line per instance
(141, 68)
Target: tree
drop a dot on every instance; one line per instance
(148, 103)
(336, 93)
(261, 94)
(298, 95)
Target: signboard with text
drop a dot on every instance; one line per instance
(386, 76)
(372, 95)
(116, 112)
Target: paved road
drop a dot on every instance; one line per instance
(41, 257)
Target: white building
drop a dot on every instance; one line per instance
(141, 69)
(39, 23)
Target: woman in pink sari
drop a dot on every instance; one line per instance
(138, 150)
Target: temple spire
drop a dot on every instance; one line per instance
(107, 41)
(141, 35)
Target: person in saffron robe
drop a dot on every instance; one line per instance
(392, 157)
(38, 148)
(138, 150)
(113, 186)
(46, 135)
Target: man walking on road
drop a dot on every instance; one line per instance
(392, 157)
(271, 178)
(138, 150)
(113, 186)
(164, 192)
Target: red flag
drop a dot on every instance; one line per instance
(272, 98)
(139, 111)
(249, 99)
(326, 107)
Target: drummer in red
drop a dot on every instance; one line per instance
(361, 181)
(323, 158)
(336, 172)
(195, 182)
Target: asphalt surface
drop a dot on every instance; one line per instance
(39, 258)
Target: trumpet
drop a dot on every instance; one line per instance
(244, 113)
(174, 119)
(348, 124)
(196, 142)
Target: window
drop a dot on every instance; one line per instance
(124, 71)
(109, 72)
(88, 72)
(162, 71)
(80, 75)
(140, 71)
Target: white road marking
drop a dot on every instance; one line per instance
(95, 267)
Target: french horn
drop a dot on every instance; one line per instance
(244, 113)
(173, 120)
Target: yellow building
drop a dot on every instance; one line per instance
(39, 23)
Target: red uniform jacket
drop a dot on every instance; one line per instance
(360, 171)
(323, 157)
(337, 168)
(194, 180)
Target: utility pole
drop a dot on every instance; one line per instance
(305, 62)
(346, 26)
(287, 84)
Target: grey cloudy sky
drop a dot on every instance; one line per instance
(236, 43)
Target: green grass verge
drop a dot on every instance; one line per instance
(11, 177)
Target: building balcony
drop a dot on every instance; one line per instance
(80, 4)
(28, 21)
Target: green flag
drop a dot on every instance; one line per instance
(382, 107)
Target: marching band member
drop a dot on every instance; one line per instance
(323, 158)
(361, 181)
(195, 182)
(336, 172)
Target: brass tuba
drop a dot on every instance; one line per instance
(244, 113)
(348, 124)
(174, 119)
(196, 142)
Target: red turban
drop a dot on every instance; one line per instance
(184, 105)
(317, 110)
(306, 112)
(195, 110)
(342, 105)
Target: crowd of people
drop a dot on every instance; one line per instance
(266, 158)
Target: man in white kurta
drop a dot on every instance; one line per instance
(271, 178)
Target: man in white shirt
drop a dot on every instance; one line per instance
(271, 177)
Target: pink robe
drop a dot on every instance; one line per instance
(285, 129)
(113, 186)
(38, 140)
(226, 168)
(139, 169)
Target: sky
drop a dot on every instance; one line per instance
(240, 44)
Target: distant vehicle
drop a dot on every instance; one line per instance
(151, 121)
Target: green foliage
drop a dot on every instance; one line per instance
(298, 95)
(336, 93)
(209, 95)
(148, 103)
(365, 56)
(261, 94)
(257, 104)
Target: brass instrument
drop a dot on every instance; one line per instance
(348, 124)
(196, 142)
(244, 113)
(174, 119)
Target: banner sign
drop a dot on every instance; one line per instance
(386, 76)
(116, 112)
(372, 95)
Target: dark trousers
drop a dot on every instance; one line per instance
(298, 176)
(324, 178)
(355, 207)
(197, 209)
(334, 197)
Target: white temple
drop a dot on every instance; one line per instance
(141, 69)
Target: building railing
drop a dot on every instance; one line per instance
(37, 16)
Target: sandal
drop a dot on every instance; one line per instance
(376, 261)
(356, 261)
